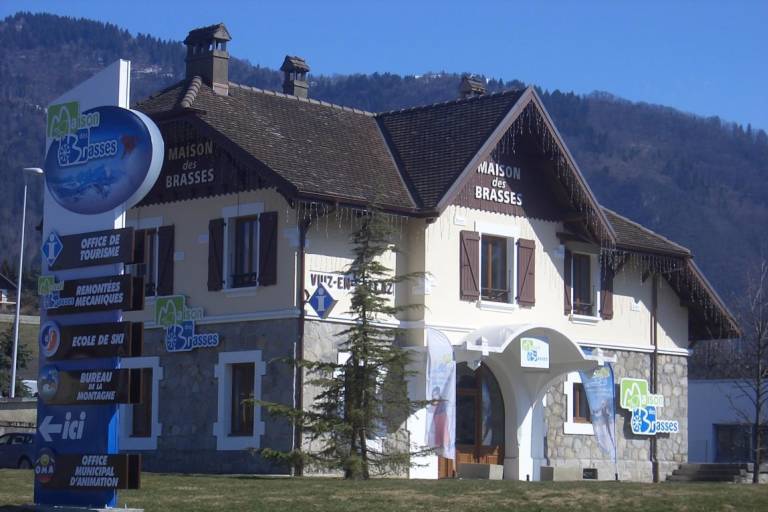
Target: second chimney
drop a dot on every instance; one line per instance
(471, 87)
(295, 80)
(207, 56)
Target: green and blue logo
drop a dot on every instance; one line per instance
(178, 320)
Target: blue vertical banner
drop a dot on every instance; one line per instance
(600, 390)
(441, 390)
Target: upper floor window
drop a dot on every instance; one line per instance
(242, 251)
(246, 252)
(154, 259)
(490, 269)
(493, 269)
(583, 288)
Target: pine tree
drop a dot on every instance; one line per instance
(366, 397)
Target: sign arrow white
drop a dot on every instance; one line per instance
(47, 428)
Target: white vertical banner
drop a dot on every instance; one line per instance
(441, 389)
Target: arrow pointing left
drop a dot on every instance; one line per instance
(47, 428)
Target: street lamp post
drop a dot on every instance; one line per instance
(34, 171)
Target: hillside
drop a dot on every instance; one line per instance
(699, 181)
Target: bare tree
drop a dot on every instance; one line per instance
(752, 388)
(744, 362)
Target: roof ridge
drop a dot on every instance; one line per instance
(298, 98)
(451, 102)
(160, 92)
(192, 89)
(647, 230)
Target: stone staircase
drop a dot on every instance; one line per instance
(738, 473)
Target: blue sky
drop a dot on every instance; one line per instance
(705, 57)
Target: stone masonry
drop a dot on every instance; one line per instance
(633, 451)
(188, 396)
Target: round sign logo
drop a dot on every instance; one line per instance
(102, 158)
(50, 339)
(45, 466)
(48, 383)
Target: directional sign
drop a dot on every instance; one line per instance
(89, 249)
(72, 428)
(117, 339)
(108, 386)
(95, 294)
(322, 301)
(90, 471)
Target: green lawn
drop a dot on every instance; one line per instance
(191, 493)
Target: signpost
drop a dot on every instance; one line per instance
(102, 158)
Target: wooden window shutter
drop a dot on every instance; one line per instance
(215, 254)
(606, 291)
(267, 248)
(526, 272)
(469, 265)
(567, 307)
(165, 260)
(139, 241)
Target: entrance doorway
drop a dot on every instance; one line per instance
(479, 420)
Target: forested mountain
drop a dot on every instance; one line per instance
(699, 181)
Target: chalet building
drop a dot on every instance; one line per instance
(246, 237)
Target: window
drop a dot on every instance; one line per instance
(148, 269)
(734, 443)
(139, 425)
(583, 303)
(577, 417)
(141, 421)
(241, 423)
(580, 406)
(493, 265)
(246, 252)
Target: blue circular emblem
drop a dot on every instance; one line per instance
(48, 384)
(102, 158)
(50, 338)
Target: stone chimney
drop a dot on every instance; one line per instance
(471, 87)
(295, 81)
(207, 56)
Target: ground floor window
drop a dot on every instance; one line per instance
(242, 399)
(577, 417)
(139, 423)
(239, 425)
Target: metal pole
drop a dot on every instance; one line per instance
(18, 292)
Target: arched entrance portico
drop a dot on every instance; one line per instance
(522, 381)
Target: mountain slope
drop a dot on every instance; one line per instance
(699, 181)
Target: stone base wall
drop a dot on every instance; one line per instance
(633, 451)
(188, 399)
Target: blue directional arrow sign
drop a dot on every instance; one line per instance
(322, 301)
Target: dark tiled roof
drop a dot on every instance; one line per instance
(434, 144)
(317, 147)
(631, 235)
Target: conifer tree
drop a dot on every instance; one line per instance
(361, 401)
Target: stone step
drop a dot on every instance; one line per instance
(703, 478)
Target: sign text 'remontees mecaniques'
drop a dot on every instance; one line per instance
(93, 294)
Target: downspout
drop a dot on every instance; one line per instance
(654, 364)
(298, 347)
